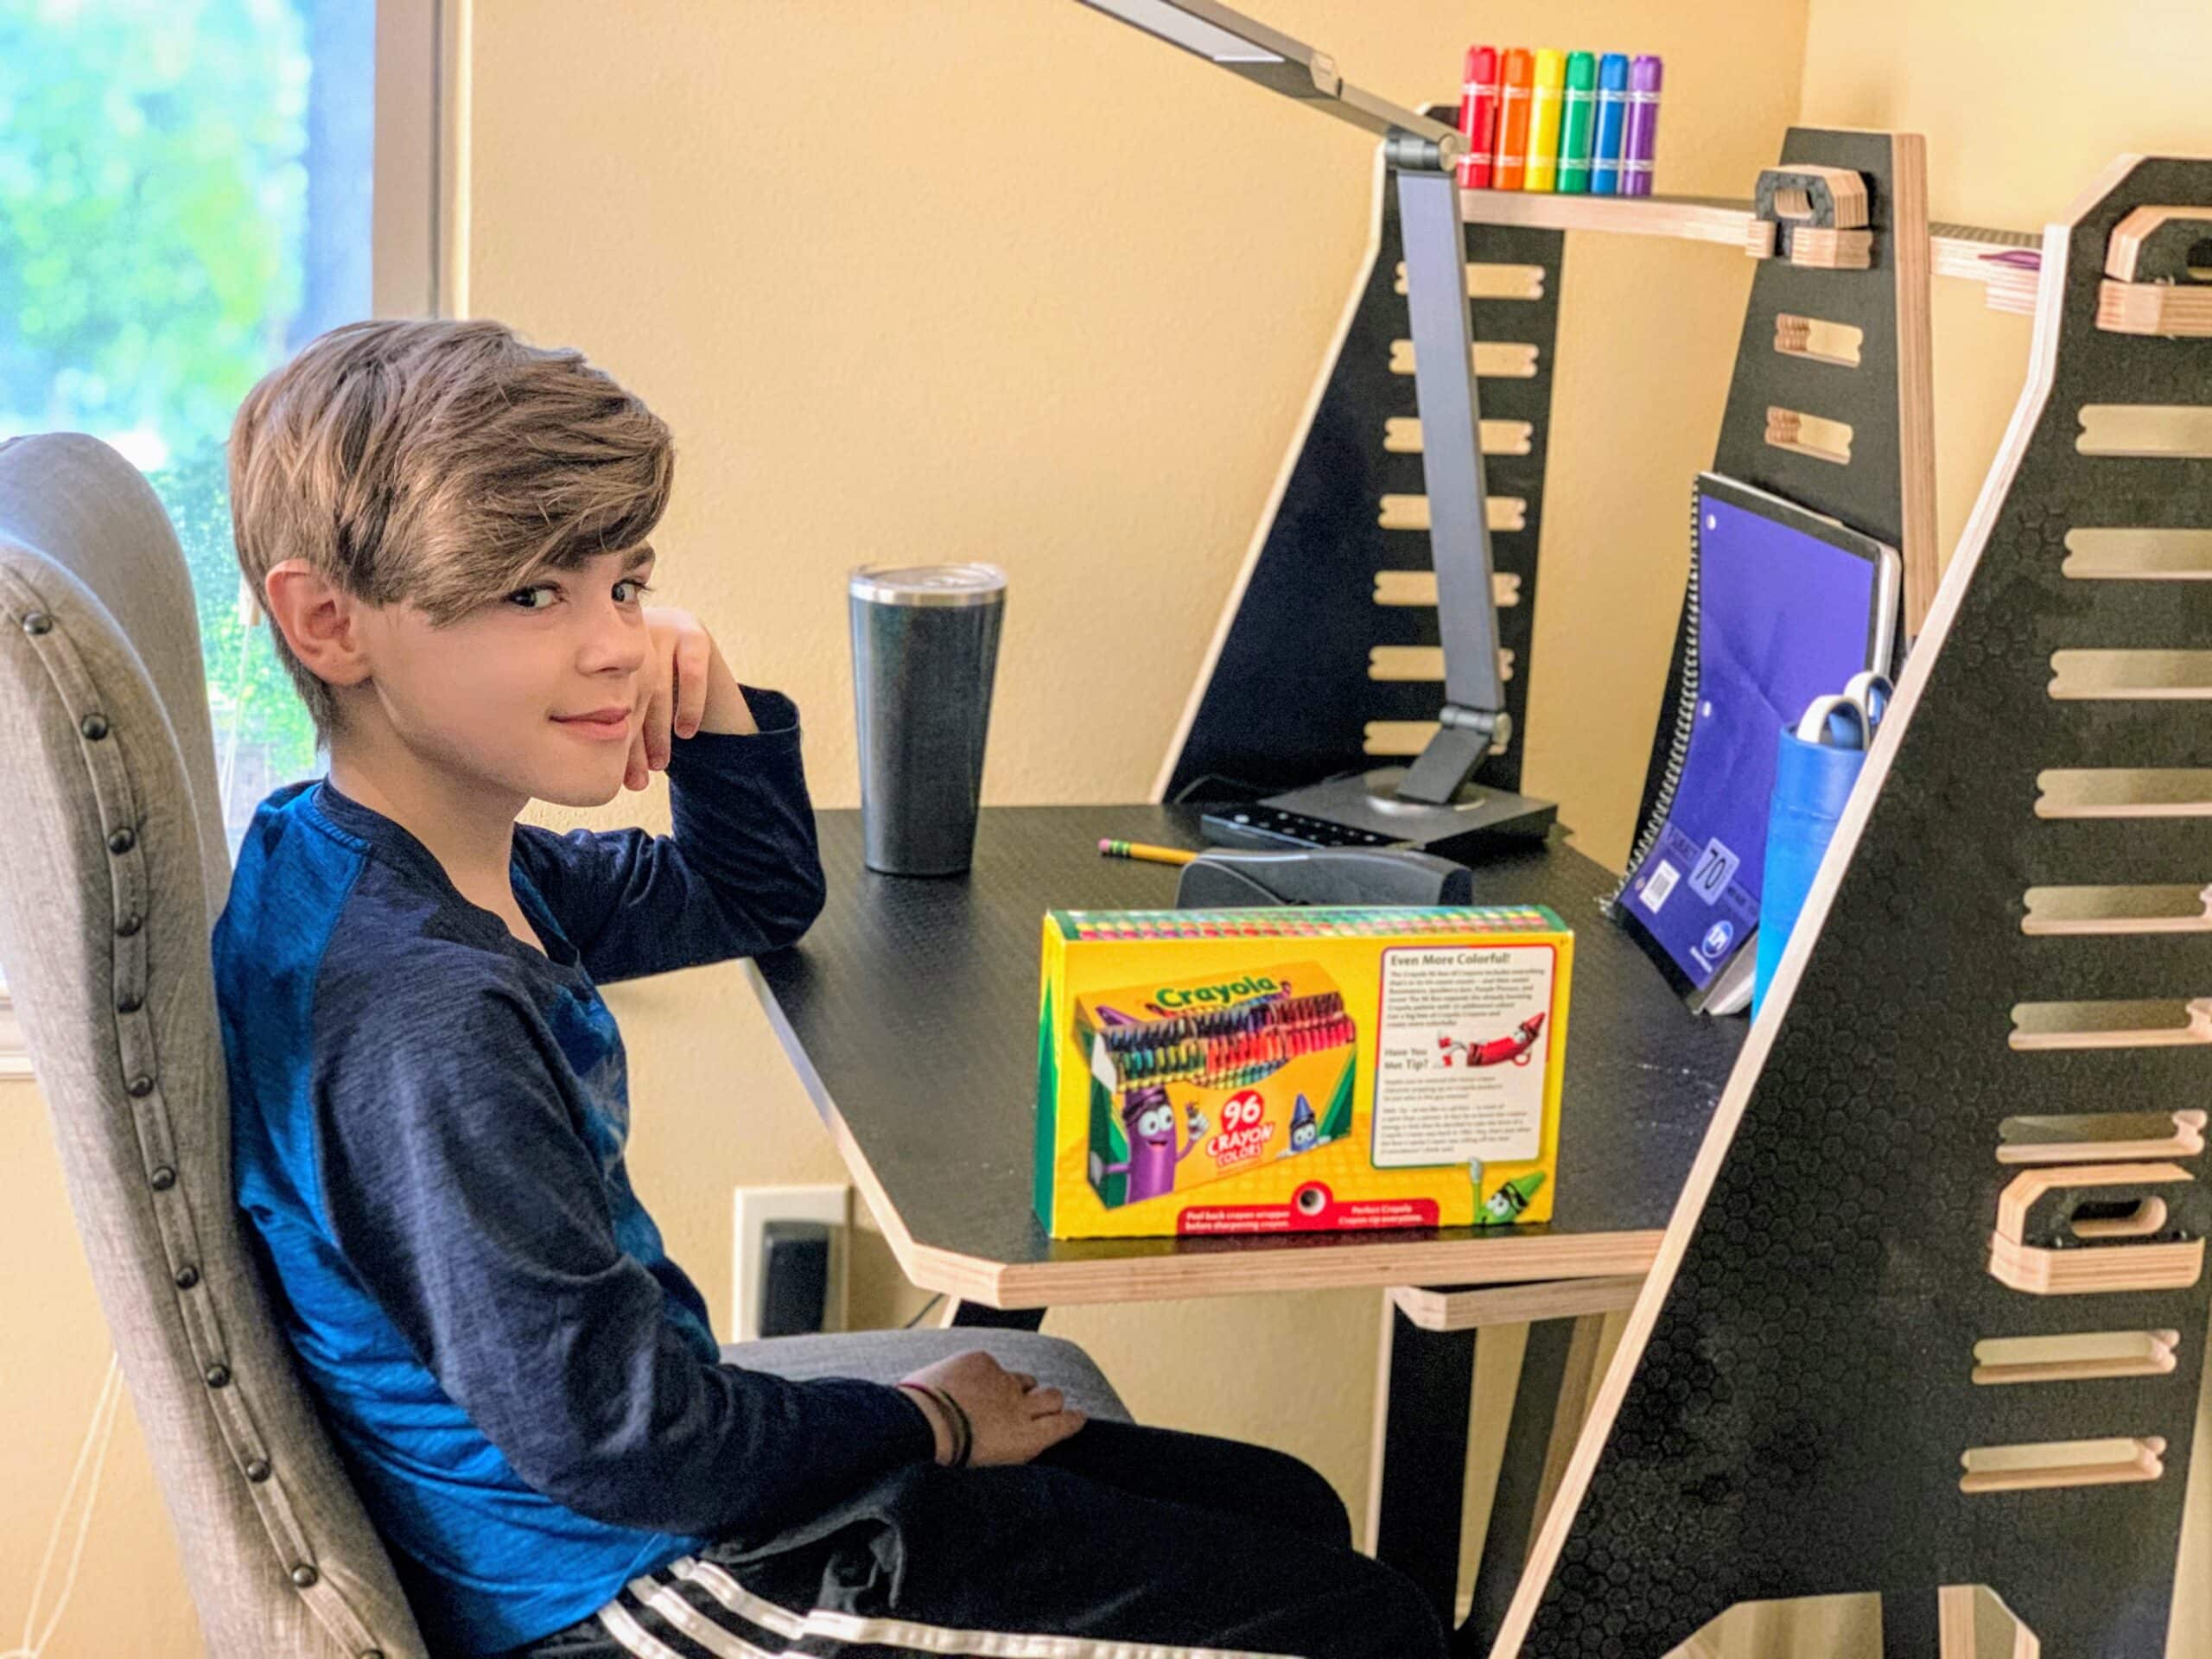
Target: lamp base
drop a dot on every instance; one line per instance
(1365, 809)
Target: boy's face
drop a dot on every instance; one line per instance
(536, 693)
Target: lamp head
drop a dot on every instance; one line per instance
(1251, 49)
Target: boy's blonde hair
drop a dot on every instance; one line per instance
(439, 463)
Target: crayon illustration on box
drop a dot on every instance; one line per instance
(1243, 1061)
(1298, 1070)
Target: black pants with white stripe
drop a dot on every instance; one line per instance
(1121, 1542)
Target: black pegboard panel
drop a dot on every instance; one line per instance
(1793, 1424)
(1871, 492)
(1289, 698)
(1868, 493)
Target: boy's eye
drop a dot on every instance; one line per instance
(538, 598)
(630, 589)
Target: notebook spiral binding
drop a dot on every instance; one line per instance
(1678, 748)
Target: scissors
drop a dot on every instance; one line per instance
(1848, 720)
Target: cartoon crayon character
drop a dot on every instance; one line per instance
(1150, 1120)
(1509, 1201)
(1498, 1050)
(1305, 1129)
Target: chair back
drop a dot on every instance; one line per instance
(116, 869)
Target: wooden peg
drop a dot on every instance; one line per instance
(2071, 1138)
(1814, 216)
(2158, 274)
(2098, 1255)
(2063, 1463)
(2162, 244)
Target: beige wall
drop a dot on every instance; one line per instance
(1000, 279)
(52, 1364)
(1008, 280)
(2023, 103)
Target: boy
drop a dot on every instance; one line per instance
(448, 530)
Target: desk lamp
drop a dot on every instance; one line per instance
(1431, 803)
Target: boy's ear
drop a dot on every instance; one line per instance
(318, 619)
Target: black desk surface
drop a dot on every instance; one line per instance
(910, 1012)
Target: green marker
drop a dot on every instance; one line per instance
(1509, 1201)
(1576, 120)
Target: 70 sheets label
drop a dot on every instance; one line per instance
(1454, 1079)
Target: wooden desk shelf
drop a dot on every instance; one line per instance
(2005, 262)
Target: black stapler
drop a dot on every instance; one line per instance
(1233, 879)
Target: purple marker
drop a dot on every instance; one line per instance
(1643, 126)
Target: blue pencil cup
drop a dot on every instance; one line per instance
(1812, 781)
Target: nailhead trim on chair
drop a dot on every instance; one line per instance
(113, 788)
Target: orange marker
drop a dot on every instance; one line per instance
(1514, 87)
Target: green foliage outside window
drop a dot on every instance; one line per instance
(153, 197)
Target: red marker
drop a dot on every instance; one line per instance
(1513, 119)
(1478, 118)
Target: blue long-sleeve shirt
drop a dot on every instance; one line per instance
(428, 1120)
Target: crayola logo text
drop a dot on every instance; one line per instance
(1186, 996)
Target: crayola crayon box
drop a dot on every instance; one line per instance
(1298, 1070)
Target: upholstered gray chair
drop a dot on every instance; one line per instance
(117, 868)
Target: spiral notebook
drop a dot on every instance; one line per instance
(1782, 606)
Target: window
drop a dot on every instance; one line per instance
(185, 200)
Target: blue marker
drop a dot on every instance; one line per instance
(1613, 124)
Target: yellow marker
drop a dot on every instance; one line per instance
(1144, 854)
(1544, 103)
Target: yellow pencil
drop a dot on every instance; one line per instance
(1139, 850)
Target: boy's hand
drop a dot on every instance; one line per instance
(684, 689)
(1013, 1418)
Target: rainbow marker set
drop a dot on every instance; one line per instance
(1298, 1070)
(1575, 123)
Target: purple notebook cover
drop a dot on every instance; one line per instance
(1784, 617)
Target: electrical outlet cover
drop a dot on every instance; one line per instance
(752, 1208)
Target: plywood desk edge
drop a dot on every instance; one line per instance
(1511, 1260)
(1474, 1308)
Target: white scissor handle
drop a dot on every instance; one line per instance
(1815, 726)
(1871, 692)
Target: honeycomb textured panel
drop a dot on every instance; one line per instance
(1794, 1425)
